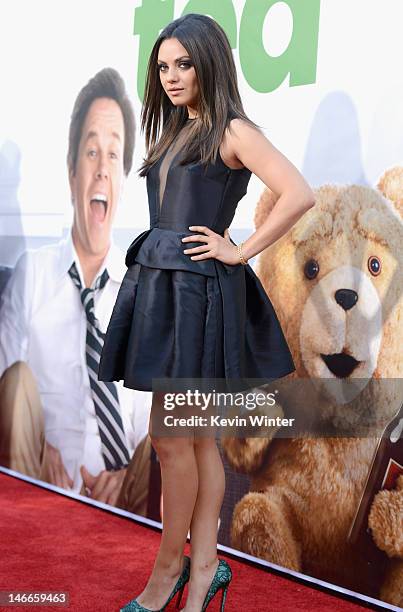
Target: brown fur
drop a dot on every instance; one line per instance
(305, 491)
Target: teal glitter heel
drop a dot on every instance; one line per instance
(134, 606)
(221, 580)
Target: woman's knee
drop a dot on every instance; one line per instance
(171, 449)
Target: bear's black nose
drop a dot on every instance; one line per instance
(346, 298)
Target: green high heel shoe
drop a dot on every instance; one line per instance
(221, 580)
(134, 606)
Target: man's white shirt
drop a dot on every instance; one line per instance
(43, 323)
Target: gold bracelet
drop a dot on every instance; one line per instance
(243, 261)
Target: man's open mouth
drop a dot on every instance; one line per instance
(340, 364)
(99, 206)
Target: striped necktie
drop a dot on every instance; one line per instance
(104, 394)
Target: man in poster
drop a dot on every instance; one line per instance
(57, 421)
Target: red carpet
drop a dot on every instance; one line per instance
(52, 543)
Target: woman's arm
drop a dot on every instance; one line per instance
(248, 145)
(245, 145)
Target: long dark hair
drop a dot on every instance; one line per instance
(219, 101)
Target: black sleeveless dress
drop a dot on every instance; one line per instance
(179, 318)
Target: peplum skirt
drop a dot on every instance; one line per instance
(175, 318)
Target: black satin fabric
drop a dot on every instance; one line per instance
(179, 318)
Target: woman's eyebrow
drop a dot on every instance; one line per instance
(178, 59)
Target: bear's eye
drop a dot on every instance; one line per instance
(374, 265)
(311, 269)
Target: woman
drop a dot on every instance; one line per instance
(187, 283)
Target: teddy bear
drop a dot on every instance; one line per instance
(335, 280)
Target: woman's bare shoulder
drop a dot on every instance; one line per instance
(239, 127)
(238, 135)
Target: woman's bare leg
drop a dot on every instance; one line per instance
(204, 525)
(179, 491)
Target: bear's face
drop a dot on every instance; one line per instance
(335, 280)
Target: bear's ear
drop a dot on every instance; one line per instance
(391, 186)
(265, 204)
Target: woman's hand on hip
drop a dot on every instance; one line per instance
(214, 246)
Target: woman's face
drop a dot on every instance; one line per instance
(177, 74)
